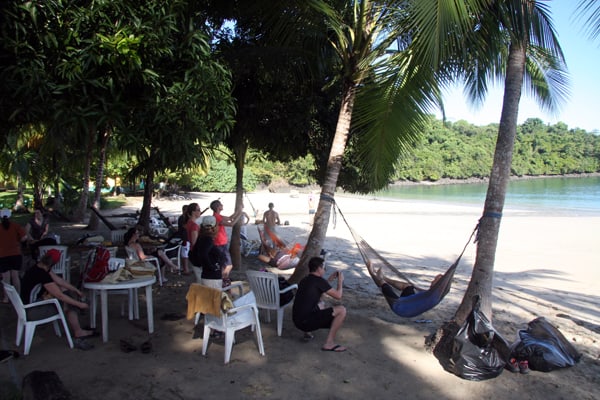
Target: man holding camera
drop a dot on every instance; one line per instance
(309, 312)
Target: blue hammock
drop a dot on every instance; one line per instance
(422, 300)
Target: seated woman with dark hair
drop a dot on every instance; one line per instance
(131, 238)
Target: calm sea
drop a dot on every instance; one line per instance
(558, 195)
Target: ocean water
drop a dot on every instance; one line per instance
(580, 196)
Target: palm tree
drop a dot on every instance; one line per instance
(385, 96)
(590, 10)
(517, 43)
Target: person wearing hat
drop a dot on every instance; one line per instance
(55, 286)
(11, 258)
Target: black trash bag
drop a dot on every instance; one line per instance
(479, 352)
(545, 347)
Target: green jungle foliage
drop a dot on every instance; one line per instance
(454, 150)
(461, 150)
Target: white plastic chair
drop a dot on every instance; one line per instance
(174, 254)
(265, 286)
(243, 314)
(63, 267)
(117, 237)
(27, 325)
(158, 227)
(132, 255)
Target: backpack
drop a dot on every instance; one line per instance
(97, 265)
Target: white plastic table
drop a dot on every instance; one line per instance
(131, 285)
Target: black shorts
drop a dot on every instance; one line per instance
(41, 312)
(11, 263)
(319, 319)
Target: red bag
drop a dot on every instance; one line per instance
(97, 266)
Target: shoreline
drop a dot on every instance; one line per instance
(450, 181)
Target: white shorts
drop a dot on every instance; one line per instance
(213, 283)
(185, 249)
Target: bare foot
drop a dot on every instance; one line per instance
(378, 278)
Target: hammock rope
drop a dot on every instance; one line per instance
(364, 248)
(423, 300)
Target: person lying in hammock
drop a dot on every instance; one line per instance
(387, 285)
(279, 259)
(279, 255)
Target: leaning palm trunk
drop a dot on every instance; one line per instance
(334, 165)
(483, 272)
(480, 285)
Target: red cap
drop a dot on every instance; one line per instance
(54, 254)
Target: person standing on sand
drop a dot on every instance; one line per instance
(221, 239)
(271, 218)
(311, 209)
(185, 243)
(309, 312)
(11, 258)
(192, 228)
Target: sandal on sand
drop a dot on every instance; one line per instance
(6, 355)
(307, 337)
(127, 347)
(336, 349)
(81, 344)
(216, 335)
(146, 347)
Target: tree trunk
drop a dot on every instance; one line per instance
(316, 239)
(93, 223)
(489, 227)
(144, 219)
(79, 213)
(481, 282)
(235, 243)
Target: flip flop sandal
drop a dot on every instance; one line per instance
(336, 349)
(6, 355)
(217, 335)
(307, 337)
(127, 347)
(146, 347)
(81, 344)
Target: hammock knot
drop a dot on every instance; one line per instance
(327, 197)
(491, 214)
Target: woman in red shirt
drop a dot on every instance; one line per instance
(11, 258)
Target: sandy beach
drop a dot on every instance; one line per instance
(546, 265)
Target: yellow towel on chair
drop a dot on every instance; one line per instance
(203, 299)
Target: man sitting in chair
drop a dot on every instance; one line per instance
(55, 286)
